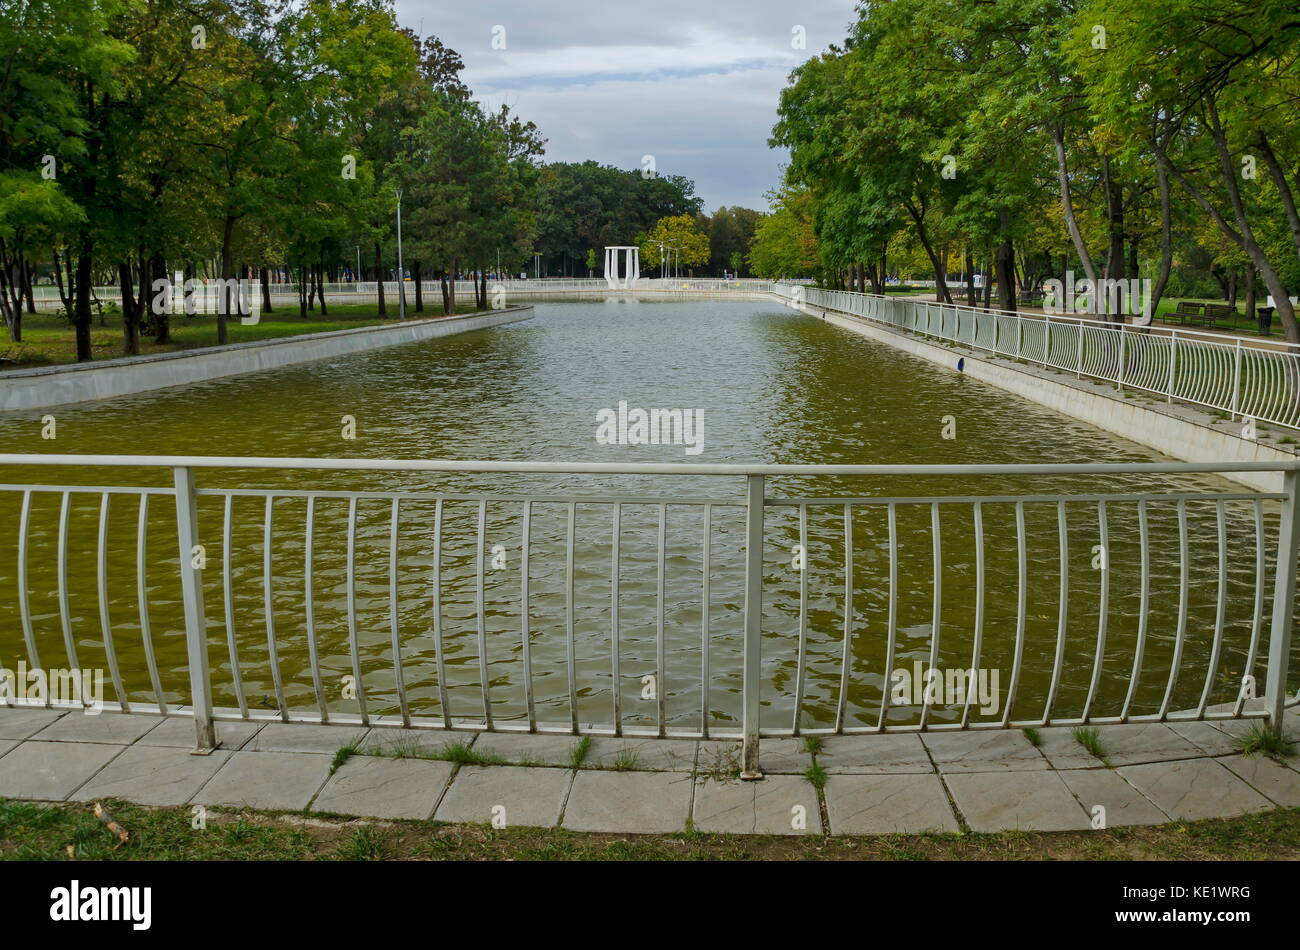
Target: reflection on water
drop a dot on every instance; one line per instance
(773, 387)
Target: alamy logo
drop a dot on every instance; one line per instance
(232, 296)
(936, 687)
(103, 903)
(1107, 295)
(64, 687)
(624, 426)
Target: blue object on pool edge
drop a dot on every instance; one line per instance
(961, 364)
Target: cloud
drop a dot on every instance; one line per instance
(693, 84)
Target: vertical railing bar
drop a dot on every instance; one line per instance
(65, 614)
(616, 534)
(196, 622)
(1257, 615)
(1063, 611)
(570, 665)
(24, 605)
(142, 595)
(1103, 608)
(1144, 604)
(845, 650)
(1183, 582)
(440, 662)
(800, 668)
(272, 648)
(525, 618)
(309, 608)
(481, 616)
(1022, 571)
(705, 603)
(752, 668)
(106, 624)
(393, 621)
(228, 603)
(661, 684)
(354, 647)
(936, 618)
(1220, 608)
(1280, 633)
(977, 647)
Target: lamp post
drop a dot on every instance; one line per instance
(401, 284)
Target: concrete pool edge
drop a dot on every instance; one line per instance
(987, 781)
(1179, 430)
(44, 387)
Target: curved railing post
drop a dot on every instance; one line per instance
(1279, 640)
(192, 558)
(753, 659)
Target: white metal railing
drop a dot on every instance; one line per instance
(1244, 377)
(410, 565)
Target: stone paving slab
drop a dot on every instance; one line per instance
(384, 788)
(1016, 801)
(869, 755)
(22, 723)
(274, 780)
(1137, 743)
(646, 755)
(7, 744)
(632, 802)
(530, 797)
(888, 804)
(1194, 788)
(778, 805)
(988, 751)
(1123, 804)
(178, 732)
(533, 750)
(781, 756)
(1207, 738)
(1063, 751)
(153, 775)
(303, 737)
(1274, 781)
(114, 728)
(51, 771)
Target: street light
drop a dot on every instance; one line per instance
(401, 283)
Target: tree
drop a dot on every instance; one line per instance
(678, 238)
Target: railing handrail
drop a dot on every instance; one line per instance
(1096, 322)
(648, 468)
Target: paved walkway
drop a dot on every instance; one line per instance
(904, 783)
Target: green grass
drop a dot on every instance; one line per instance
(626, 760)
(1090, 739)
(1266, 739)
(345, 752)
(48, 338)
(1033, 735)
(579, 753)
(816, 775)
(70, 832)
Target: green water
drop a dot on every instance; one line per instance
(774, 386)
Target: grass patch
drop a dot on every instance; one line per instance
(626, 760)
(70, 831)
(1266, 739)
(49, 340)
(578, 754)
(345, 752)
(812, 744)
(1090, 739)
(1034, 736)
(816, 775)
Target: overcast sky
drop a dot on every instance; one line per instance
(692, 82)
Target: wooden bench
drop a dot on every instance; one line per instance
(1214, 312)
(1189, 311)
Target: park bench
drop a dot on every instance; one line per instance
(1189, 311)
(1215, 312)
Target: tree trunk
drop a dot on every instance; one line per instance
(224, 308)
(162, 324)
(970, 278)
(1004, 259)
(419, 297)
(264, 276)
(130, 330)
(455, 270)
(379, 277)
(82, 316)
(1067, 208)
(1166, 240)
(446, 294)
